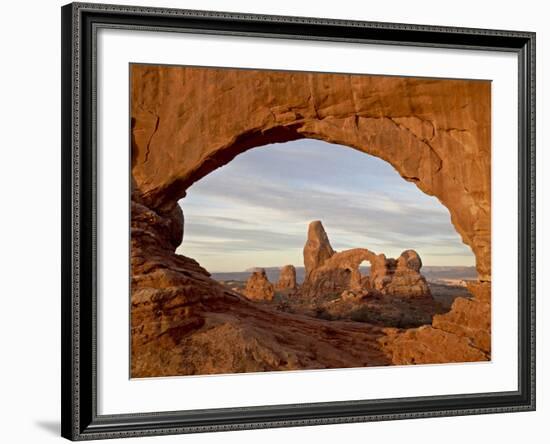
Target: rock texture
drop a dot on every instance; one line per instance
(258, 287)
(186, 122)
(287, 279)
(461, 335)
(427, 345)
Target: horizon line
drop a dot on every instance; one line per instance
(301, 266)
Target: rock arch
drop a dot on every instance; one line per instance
(329, 271)
(186, 122)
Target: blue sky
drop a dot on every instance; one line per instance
(255, 210)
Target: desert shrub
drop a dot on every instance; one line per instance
(321, 313)
(365, 314)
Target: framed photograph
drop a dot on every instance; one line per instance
(281, 221)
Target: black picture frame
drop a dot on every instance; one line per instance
(80, 420)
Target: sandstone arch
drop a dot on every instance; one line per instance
(189, 121)
(328, 271)
(186, 122)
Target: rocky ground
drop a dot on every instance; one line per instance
(387, 311)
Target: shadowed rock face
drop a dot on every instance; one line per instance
(186, 122)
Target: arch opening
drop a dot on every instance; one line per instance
(253, 214)
(365, 271)
(361, 198)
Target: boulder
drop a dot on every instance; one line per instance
(406, 279)
(409, 260)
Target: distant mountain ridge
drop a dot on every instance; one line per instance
(432, 273)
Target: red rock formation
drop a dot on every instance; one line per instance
(186, 122)
(338, 273)
(317, 248)
(184, 323)
(461, 335)
(332, 273)
(406, 278)
(258, 287)
(287, 279)
(428, 345)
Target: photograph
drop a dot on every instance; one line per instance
(291, 220)
(275, 222)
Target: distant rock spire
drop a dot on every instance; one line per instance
(317, 248)
(287, 278)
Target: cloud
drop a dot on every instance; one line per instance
(242, 238)
(262, 201)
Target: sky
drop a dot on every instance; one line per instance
(254, 211)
